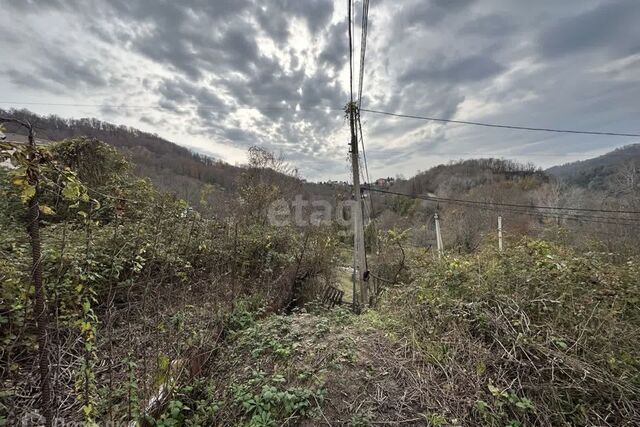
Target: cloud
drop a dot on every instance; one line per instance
(335, 51)
(612, 25)
(59, 73)
(492, 25)
(421, 14)
(471, 68)
(221, 75)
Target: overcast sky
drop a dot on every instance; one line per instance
(222, 75)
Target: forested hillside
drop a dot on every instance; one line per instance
(522, 188)
(602, 172)
(171, 167)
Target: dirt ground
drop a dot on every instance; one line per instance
(367, 378)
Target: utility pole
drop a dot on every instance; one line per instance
(360, 267)
(438, 235)
(500, 233)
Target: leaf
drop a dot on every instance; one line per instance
(561, 344)
(6, 145)
(481, 405)
(46, 210)
(71, 191)
(27, 193)
(19, 181)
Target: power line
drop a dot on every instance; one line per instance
(510, 205)
(506, 155)
(363, 46)
(492, 125)
(492, 207)
(349, 6)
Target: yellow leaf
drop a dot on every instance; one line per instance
(46, 210)
(27, 193)
(19, 181)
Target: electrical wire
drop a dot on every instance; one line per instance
(363, 46)
(492, 207)
(492, 125)
(557, 216)
(515, 205)
(350, 52)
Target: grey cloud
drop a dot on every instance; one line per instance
(335, 51)
(428, 13)
(275, 25)
(239, 136)
(613, 24)
(23, 79)
(55, 72)
(239, 50)
(198, 34)
(492, 25)
(316, 13)
(471, 68)
(178, 94)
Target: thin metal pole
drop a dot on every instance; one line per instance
(438, 235)
(500, 247)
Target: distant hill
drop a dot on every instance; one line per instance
(461, 176)
(595, 173)
(170, 166)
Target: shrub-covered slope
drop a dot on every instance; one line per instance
(539, 335)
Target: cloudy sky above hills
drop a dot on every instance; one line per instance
(222, 75)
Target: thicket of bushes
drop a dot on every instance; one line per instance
(539, 335)
(139, 284)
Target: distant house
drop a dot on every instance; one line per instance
(15, 138)
(6, 163)
(335, 183)
(384, 182)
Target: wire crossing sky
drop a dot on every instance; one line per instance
(493, 125)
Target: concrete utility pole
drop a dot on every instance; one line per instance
(358, 233)
(438, 235)
(500, 233)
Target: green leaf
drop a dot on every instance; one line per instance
(494, 390)
(70, 191)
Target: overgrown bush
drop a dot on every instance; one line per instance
(138, 282)
(538, 335)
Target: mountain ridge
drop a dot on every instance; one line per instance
(597, 171)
